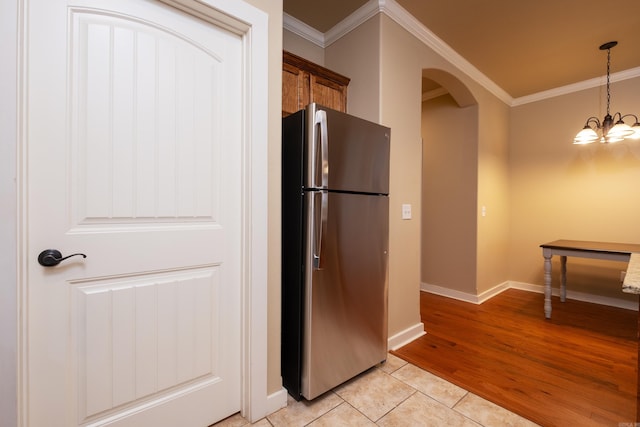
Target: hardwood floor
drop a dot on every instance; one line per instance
(578, 368)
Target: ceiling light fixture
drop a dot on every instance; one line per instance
(612, 128)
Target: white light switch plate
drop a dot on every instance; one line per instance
(406, 211)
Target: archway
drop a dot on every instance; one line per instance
(449, 185)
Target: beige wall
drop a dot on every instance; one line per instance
(404, 58)
(364, 56)
(386, 63)
(493, 193)
(400, 105)
(449, 188)
(462, 249)
(274, 9)
(357, 57)
(298, 46)
(564, 191)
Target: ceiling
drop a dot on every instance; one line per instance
(524, 47)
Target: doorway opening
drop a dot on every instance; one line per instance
(449, 184)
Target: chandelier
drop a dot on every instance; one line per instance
(612, 128)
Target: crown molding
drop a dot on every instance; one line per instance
(435, 93)
(407, 21)
(397, 13)
(403, 18)
(361, 15)
(351, 22)
(303, 30)
(575, 87)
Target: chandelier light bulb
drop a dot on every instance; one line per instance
(620, 130)
(636, 131)
(586, 136)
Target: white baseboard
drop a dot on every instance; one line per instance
(276, 401)
(464, 296)
(479, 299)
(405, 337)
(450, 293)
(488, 294)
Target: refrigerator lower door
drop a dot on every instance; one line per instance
(345, 313)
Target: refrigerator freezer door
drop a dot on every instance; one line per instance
(345, 315)
(346, 153)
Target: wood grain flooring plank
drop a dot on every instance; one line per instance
(577, 368)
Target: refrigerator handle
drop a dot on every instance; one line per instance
(321, 119)
(319, 227)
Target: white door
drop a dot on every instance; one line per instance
(134, 159)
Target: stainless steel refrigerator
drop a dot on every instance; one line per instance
(335, 228)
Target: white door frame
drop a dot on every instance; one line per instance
(8, 212)
(252, 25)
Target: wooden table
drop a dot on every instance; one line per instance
(578, 248)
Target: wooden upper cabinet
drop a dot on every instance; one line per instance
(304, 82)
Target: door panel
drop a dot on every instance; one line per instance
(357, 152)
(326, 92)
(145, 102)
(295, 89)
(346, 298)
(140, 336)
(130, 162)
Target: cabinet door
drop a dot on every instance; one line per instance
(328, 93)
(304, 82)
(295, 89)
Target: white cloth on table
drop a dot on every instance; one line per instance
(631, 283)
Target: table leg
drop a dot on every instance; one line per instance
(547, 284)
(563, 278)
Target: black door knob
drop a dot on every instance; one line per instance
(53, 257)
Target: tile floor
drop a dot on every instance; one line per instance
(395, 393)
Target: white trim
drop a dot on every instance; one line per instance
(449, 293)
(490, 293)
(510, 284)
(21, 209)
(394, 11)
(255, 399)
(303, 30)
(539, 289)
(575, 87)
(435, 93)
(361, 15)
(353, 21)
(277, 401)
(403, 338)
